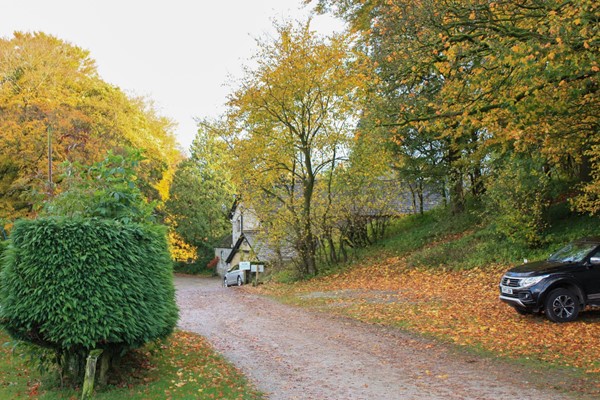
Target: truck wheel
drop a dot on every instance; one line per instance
(562, 305)
(239, 281)
(225, 282)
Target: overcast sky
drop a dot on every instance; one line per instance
(179, 53)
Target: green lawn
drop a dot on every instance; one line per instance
(184, 367)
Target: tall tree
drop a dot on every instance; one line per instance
(54, 107)
(202, 192)
(293, 117)
(499, 77)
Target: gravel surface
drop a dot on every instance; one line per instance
(292, 353)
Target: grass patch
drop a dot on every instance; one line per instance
(480, 247)
(183, 367)
(412, 232)
(438, 239)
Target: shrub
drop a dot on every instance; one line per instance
(191, 268)
(212, 264)
(73, 285)
(3, 246)
(519, 198)
(106, 189)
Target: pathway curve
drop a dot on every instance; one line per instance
(292, 353)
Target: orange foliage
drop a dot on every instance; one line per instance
(213, 263)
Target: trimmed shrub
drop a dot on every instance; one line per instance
(3, 246)
(73, 285)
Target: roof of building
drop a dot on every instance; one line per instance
(226, 242)
(235, 248)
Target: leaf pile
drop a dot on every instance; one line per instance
(460, 306)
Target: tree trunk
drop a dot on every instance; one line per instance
(457, 200)
(413, 197)
(332, 253)
(307, 236)
(104, 366)
(477, 186)
(420, 194)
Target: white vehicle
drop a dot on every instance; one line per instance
(235, 276)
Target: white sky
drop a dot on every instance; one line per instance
(179, 53)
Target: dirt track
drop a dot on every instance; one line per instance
(291, 353)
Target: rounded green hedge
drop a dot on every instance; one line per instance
(86, 283)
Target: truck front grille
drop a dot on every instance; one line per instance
(511, 282)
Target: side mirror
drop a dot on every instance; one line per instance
(595, 260)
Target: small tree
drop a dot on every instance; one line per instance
(201, 194)
(106, 189)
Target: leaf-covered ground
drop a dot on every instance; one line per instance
(459, 306)
(184, 367)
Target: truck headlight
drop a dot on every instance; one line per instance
(526, 282)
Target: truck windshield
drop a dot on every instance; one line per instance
(573, 252)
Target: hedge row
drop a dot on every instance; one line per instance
(86, 283)
(3, 246)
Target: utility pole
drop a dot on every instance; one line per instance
(50, 184)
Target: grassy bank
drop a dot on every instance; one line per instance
(184, 367)
(439, 239)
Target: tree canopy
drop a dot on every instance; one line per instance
(54, 107)
(291, 124)
(470, 85)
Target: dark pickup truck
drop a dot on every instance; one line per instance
(560, 286)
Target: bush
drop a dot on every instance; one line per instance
(3, 246)
(106, 189)
(519, 198)
(192, 268)
(73, 285)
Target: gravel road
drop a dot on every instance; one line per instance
(291, 353)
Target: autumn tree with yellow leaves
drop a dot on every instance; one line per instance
(486, 84)
(54, 107)
(292, 121)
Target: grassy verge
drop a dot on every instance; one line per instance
(438, 239)
(184, 367)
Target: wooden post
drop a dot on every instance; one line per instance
(90, 374)
(256, 276)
